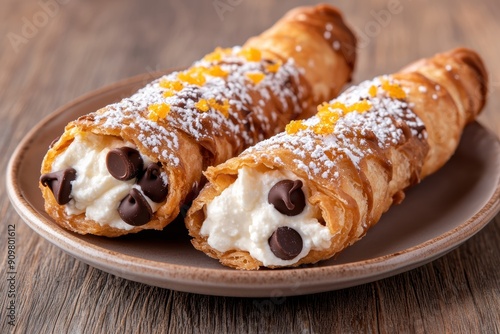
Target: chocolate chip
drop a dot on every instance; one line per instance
(134, 209)
(287, 197)
(152, 184)
(285, 243)
(60, 184)
(124, 163)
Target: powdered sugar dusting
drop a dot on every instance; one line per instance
(235, 88)
(352, 133)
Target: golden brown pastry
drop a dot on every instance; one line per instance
(131, 165)
(308, 193)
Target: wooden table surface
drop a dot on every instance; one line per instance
(54, 51)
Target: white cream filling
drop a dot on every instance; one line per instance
(94, 191)
(241, 218)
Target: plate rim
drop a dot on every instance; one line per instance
(237, 283)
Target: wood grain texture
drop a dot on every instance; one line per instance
(78, 46)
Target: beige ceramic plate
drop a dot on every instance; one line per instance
(437, 216)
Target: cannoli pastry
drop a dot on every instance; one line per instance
(309, 192)
(131, 165)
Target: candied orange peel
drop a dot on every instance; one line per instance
(204, 105)
(295, 126)
(250, 54)
(217, 54)
(393, 90)
(197, 75)
(274, 67)
(326, 108)
(194, 76)
(168, 93)
(255, 77)
(216, 71)
(328, 114)
(157, 111)
(171, 85)
(223, 107)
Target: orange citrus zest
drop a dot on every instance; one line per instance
(250, 54)
(393, 90)
(157, 111)
(255, 77)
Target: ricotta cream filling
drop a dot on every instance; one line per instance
(241, 218)
(94, 191)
